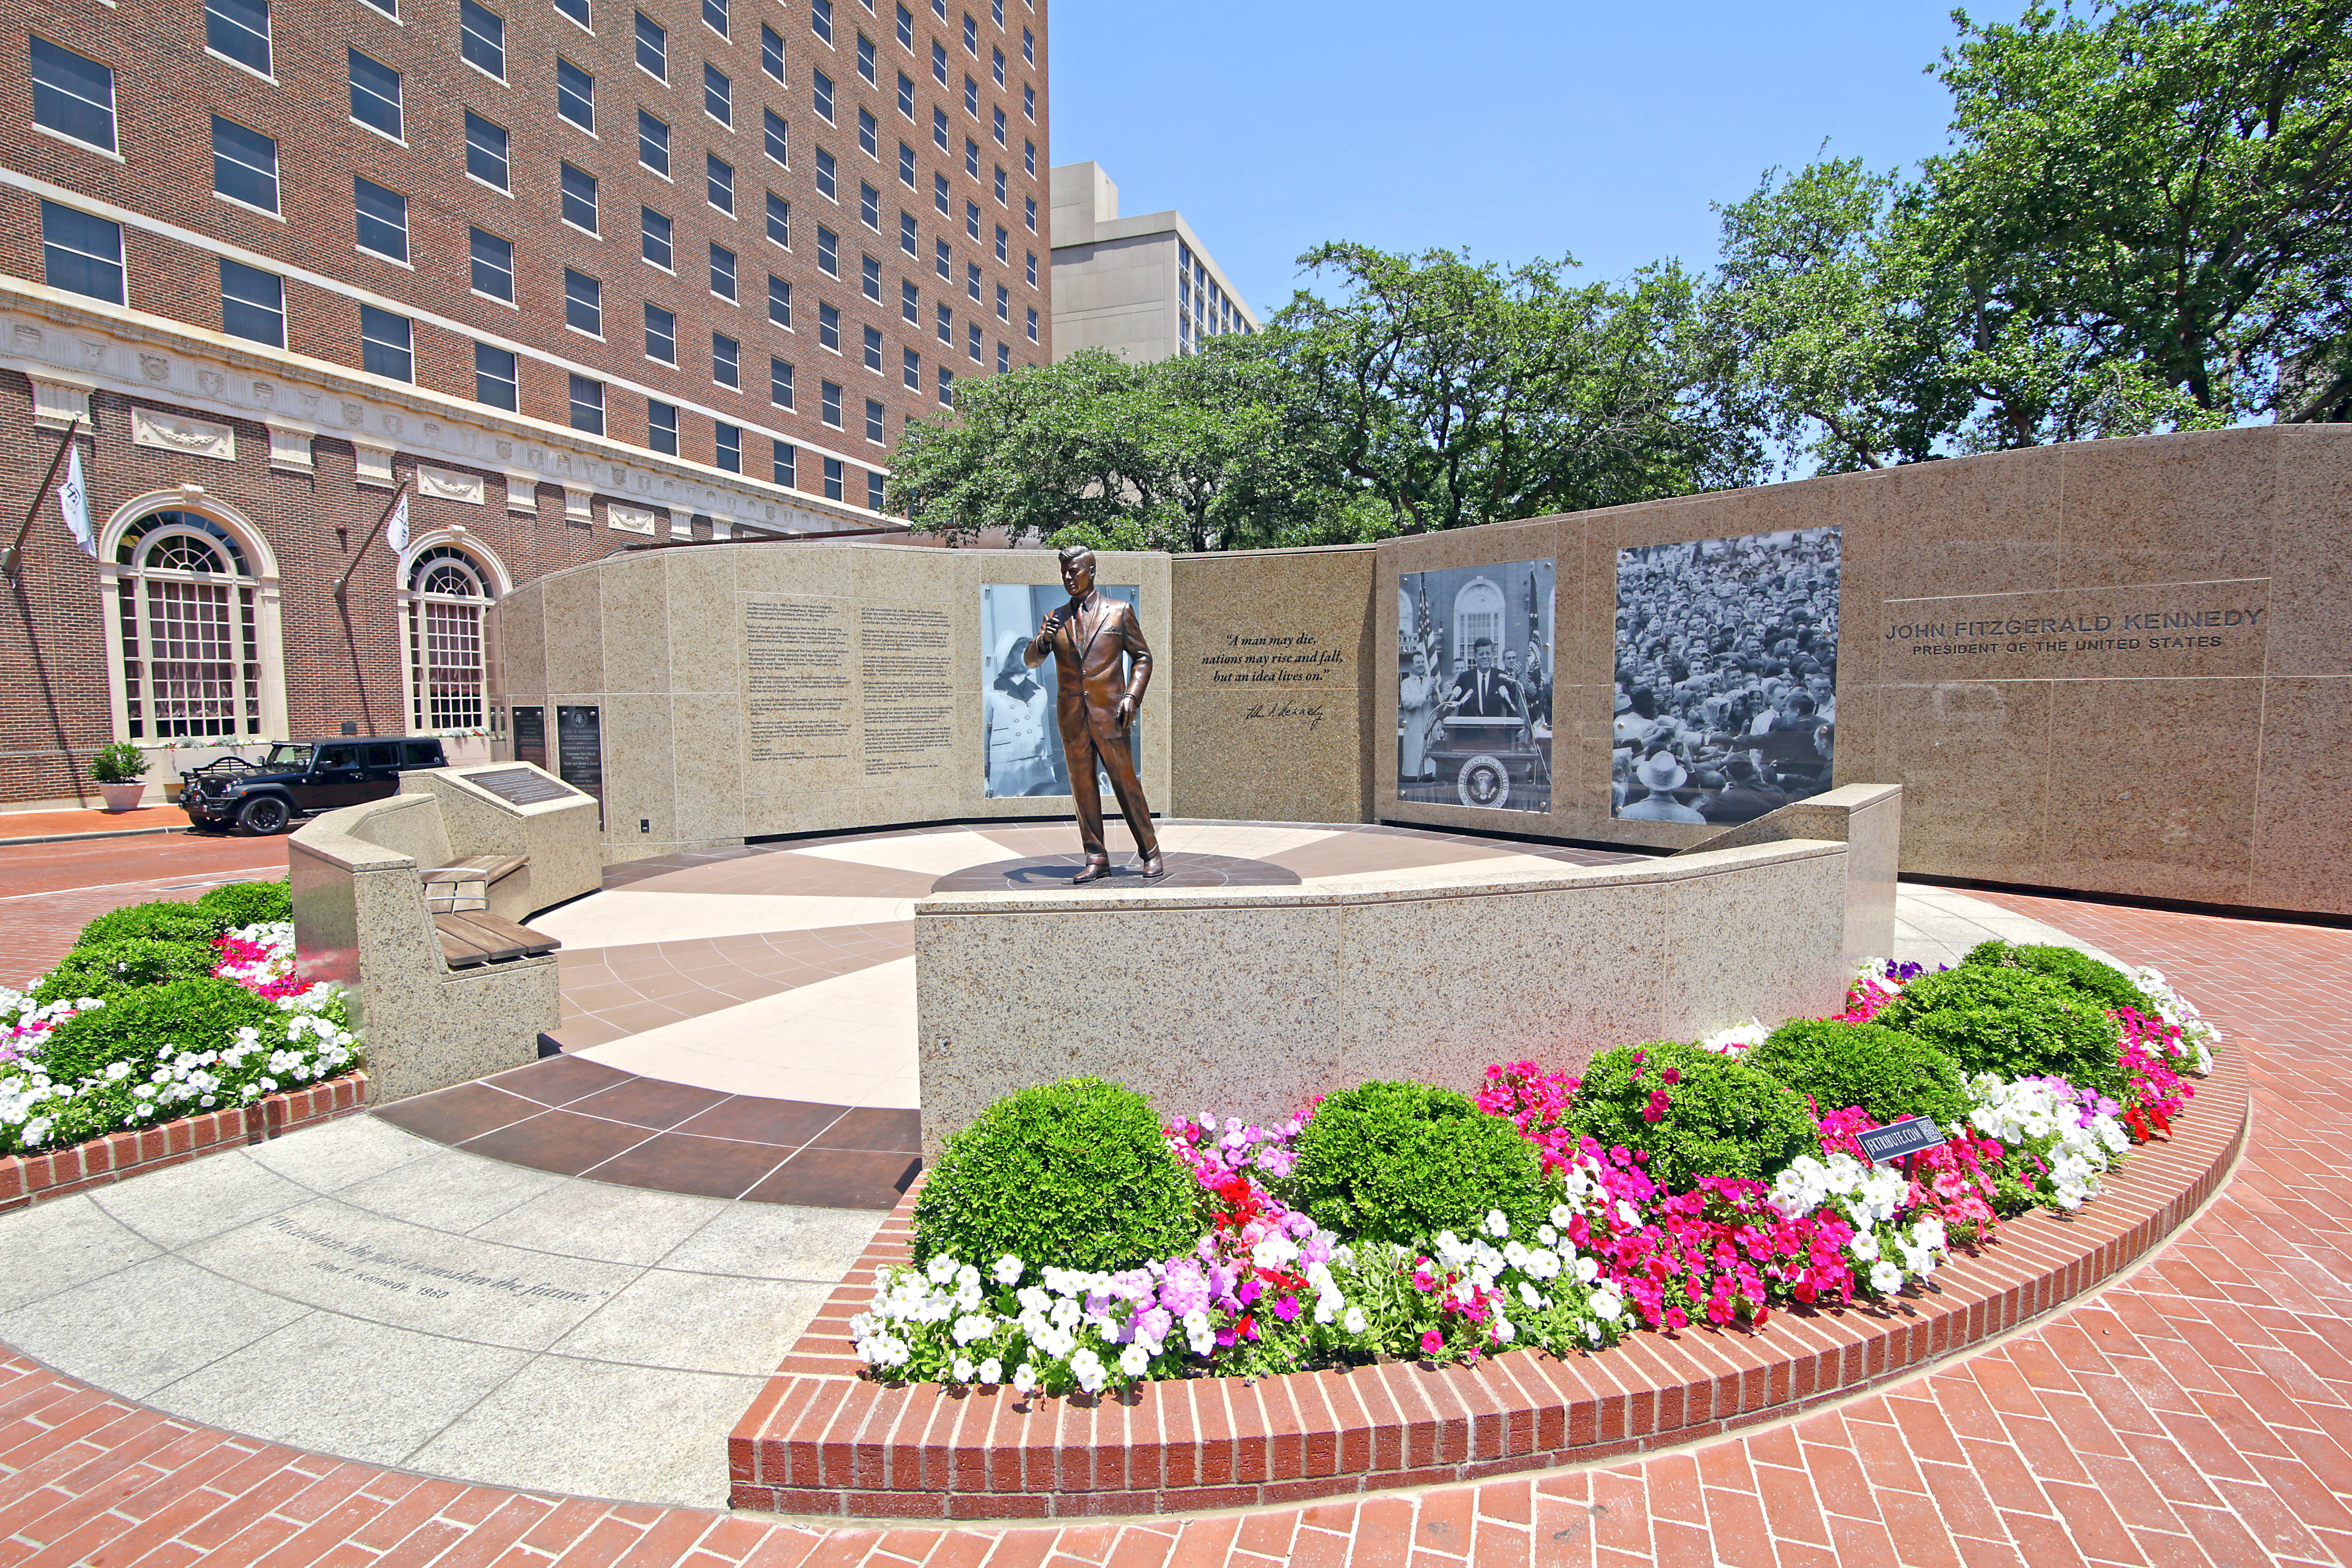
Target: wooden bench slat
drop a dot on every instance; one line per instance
(533, 943)
(496, 946)
(459, 949)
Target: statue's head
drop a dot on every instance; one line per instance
(1077, 569)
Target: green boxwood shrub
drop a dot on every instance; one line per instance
(163, 921)
(1075, 1173)
(200, 1014)
(1723, 1116)
(240, 904)
(1401, 1161)
(2079, 973)
(104, 968)
(2012, 1023)
(1886, 1072)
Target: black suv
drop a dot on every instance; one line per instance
(299, 778)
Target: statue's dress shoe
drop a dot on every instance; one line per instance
(1092, 871)
(1152, 867)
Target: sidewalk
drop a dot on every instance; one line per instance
(42, 826)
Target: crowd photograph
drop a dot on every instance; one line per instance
(1474, 685)
(1726, 676)
(1022, 746)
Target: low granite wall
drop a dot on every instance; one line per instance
(1247, 1001)
(1867, 819)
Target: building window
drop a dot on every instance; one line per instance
(580, 198)
(787, 465)
(869, 279)
(906, 165)
(828, 326)
(719, 183)
(1033, 269)
(873, 350)
(653, 143)
(482, 36)
(583, 304)
(779, 386)
(1032, 323)
(972, 342)
(941, 262)
(939, 62)
(820, 19)
(906, 28)
(1029, 159)
(240, 29)
(869, 207)
(486, 152)
(726, 361)
(820, 93)
(907, 95)
(1004, 357)
(940, 193)
(1004, 245)
(727, 446)
(906, 241)
(940, 128)
(831, 398)
(1028, 46)
(245, 164)
(826, 184)
(253, 304)
(947, 325)
(833, 478)
(999, 184)
(587, 406)
(970, 159)
(1029, 213)
(575, 95)
(996, 64)
(381, 218)
(780, 220)
(874, 420)
(866, 59)
(874, 490)
(1004, 303)
(495, 381)
(446, 674)
(1029, 101)
(771, 51)
(971, 98)
(972, 219)
(779, 137)
(661, 427)
(996, 123)
(780, 302)
(714, 15)
(947, 386)
(661, 334)
(493, 264)
(910, 369)
(653, 47)
(718, 96)
(722, 272)
(654, 234)
(971, 281)
(828, 251)
(387, 344)
(190, 634)
(375, 93)
(577, 10)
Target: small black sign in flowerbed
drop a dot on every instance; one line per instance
(1912, 1135)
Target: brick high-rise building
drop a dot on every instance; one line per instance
(579, 273)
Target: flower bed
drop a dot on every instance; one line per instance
(1719, 1195)
(163, 1011)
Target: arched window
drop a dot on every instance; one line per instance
(446, 596)
(192, 662)
(1477, 613)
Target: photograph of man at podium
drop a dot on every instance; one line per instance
(1473, 686)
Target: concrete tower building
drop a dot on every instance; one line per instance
(1144, 288)
(575, 273)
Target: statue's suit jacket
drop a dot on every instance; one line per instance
(1090, 653)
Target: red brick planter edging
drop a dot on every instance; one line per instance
(29, 1178)
(820, 1440)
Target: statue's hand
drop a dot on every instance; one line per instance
(1125, 712)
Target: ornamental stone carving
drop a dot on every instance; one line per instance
(154, 367)
(449, 486)
(172, 433)
(626, 518)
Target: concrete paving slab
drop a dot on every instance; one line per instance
(771, 1241)
(183, 1204)
(137, 1329)
(616, 1225)
(738, 1324)
(61, 1244)
(448, 1189)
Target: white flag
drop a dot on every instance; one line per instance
(396, 533)
(74, 502)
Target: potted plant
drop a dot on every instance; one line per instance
(119, 770)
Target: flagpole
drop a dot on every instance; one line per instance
(397, 496)
(12, 557)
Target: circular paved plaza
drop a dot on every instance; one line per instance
(514, 1322)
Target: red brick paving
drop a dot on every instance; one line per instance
(49, 891)
(2197, 1412)
(20, 824)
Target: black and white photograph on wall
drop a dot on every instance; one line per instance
(1473, 686)
(1022, 747)
(1726, 676)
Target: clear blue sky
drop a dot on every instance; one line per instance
(1515, 129)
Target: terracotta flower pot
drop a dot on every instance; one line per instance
(122, 796)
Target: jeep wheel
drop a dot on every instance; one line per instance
(263, 816)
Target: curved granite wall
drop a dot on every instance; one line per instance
(2209, 771)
